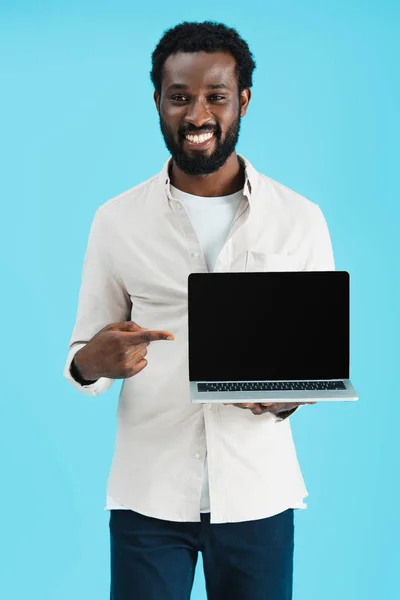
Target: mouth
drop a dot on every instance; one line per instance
(199, 142)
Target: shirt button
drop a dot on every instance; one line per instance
(209, 407)
(197, 455)
(179, 206)
(194, 254)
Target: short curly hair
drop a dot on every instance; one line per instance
(207, 36)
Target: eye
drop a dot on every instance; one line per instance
(179, 98)
(217, 97)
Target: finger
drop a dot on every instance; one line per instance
(258, 410)
(136, 358)
(280, 405)
(139, 367)
(127, 326)
(140, 346)
(149, 336)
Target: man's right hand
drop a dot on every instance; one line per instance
(117, 351)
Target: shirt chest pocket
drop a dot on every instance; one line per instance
(260, 261)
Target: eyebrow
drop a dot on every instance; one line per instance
(212, 86)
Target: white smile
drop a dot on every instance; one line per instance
(199, 139)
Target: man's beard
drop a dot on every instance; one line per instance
(199, 163)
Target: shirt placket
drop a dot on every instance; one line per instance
(196, 254)
(208, 433)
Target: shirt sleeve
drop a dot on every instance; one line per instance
(102, 300)
(320, 253)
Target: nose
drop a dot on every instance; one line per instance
(197, 113)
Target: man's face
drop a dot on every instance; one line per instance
(200, 110)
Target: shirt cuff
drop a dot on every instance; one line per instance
(94, 389)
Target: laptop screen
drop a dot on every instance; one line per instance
(268, 326)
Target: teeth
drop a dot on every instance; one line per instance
(198, 139)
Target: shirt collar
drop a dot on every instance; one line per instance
(250, 183)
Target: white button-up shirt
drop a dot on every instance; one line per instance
(141, 248)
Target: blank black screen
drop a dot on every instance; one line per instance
(279, 326)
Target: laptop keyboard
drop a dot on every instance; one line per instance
(269, 386)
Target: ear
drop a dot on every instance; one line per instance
(156, 97)
(245, 98)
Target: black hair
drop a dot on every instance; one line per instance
(207, 36)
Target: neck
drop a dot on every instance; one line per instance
(227, 180)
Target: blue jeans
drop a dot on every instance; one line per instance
(154, 559)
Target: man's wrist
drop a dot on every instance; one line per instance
(285, 413)
(78, 376)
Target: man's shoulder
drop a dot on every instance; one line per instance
(286, 198)
(281, 196)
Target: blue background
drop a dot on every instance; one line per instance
(78, 126)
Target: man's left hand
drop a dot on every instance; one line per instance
(259, 408)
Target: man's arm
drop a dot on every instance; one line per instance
(320, 253)
(103, 299)
(284, 414)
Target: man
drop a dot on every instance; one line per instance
(187, 478)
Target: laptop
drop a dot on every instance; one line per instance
(269, 337)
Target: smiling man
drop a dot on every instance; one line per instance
(189, 478)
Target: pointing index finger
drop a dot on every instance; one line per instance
(151, 336)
